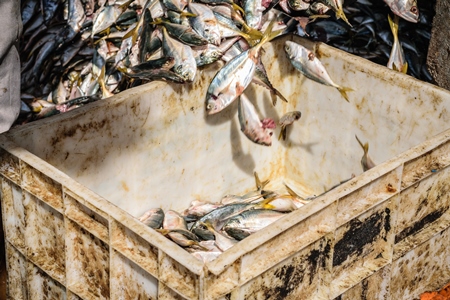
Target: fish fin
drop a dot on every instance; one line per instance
(187, 14)
(268, 34)
(237, 7)
(282, 133)
(265, 204)
(163, 231)
(102, 82)
(394, 26)
(405, 68)
(343, 91)
(251, 31)
(340, 14)
(257, 181)
(365, 146)
(125, 5)
(315, 17)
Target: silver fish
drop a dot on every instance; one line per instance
(287, 119)
(185, 64)
(366, 162)
(406, 9)
(257, 131)
(397, 59)
(107, 16)
(309, 65)
(205, 23)
(231, 80)
(153, 218)
(336, 6)
(248, 222)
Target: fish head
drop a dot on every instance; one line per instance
(294, 50)
(211, 106)
(211, 55)
(264, 137)
(407, 9)
(298, 4)
(185, 72)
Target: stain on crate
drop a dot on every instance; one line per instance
(86, 218)
(374, 287)
(9, 166)
(363, 246)
(422, 269)
(424, 210)
(165, 293)
(134, 247)
(88, 260)
(178, 277)
(370, 195)
(140, 284)
(223, 283)
(288, 242)
(426, 164)
(17, 287)
(360, 234)
(299, 277)
(42, 186)
(44, 237)
(42, 286)
(13, 213)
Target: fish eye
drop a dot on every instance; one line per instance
(311, 56)
(209, 106)
(414, 10)
(287, 48)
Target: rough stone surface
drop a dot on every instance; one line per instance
(439, 49)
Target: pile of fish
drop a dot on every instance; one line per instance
(78, 51)
(371, 36)
(208, 229)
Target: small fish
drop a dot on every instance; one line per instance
(366, 162)
(336, 6)
(407, 9)
(221, 241)
(205, 23)
(286, 120)
(107, 16)
(397, 59)
(253, 13)
(182, 237)
(173, 220)
(309, 65)
(185, 65)
(256, 130)
(232, 79)
(183, 33)
(198, 209)
(153, 218)
(248, 222)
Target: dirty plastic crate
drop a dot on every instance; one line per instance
(73, 185)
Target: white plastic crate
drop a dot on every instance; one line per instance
(72, 185)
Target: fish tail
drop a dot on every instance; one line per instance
(394, 26)
(343, 91)
(187, 14)
(340, 14)
(237, 7)
(265, 204)
(404, 68)
(365, 146)
(277, 92)
(268, 34)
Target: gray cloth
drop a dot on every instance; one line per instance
(11, 27)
